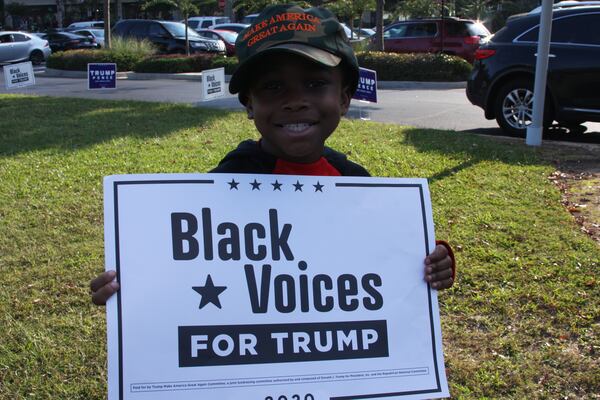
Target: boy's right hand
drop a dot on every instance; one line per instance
(103, 286)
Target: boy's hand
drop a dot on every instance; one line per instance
(103, 286)
(438, 268)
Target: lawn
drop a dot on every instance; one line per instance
(522, 322)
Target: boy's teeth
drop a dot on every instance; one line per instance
(296, 127)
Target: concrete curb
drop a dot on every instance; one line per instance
(197, 76)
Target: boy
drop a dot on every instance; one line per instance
(296, 76)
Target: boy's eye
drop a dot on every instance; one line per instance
(271, 85)
(316, 83)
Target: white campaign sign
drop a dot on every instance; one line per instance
(240, 286)
(19, 75)
(213, 83)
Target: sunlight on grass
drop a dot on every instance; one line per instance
(521, 323)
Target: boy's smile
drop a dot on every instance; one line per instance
(296, 104)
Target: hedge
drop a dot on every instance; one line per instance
(415, 66)
(389, 66)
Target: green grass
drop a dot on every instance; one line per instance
(521, 323)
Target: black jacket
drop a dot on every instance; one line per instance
(249, 158)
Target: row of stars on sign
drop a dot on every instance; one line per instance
(276, 185)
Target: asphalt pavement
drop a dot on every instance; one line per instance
(425, 105)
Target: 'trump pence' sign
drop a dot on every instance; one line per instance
(262, 286)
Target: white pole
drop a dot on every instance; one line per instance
(534, 131)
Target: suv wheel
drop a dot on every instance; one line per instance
(514, 107)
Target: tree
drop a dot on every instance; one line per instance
(185, 7)
(379, 8)
(351, 9)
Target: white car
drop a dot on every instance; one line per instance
(21, 46)
(204, 22)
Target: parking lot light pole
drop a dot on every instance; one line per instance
(535, 130)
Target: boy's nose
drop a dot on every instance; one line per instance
(295, 99)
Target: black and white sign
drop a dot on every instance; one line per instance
(262, 286)
(213, 84)
(19, 75)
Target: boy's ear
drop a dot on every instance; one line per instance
(249, 108)
(345, 98)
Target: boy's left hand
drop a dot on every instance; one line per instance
(438, 268)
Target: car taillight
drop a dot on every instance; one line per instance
(480, 54)
(46, 44)
(472, 40)
(73, 41)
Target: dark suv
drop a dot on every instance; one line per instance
(503, 75)
(168, 36)
(460, 37)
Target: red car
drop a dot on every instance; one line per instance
(460, 37)
(228, 37)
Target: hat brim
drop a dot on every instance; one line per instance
(317, 55)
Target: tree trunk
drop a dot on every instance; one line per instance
(187, 41)
(60, 12)
(107, 41)
(379, 25)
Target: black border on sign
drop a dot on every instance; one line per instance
(426, 238)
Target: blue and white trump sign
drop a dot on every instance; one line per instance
(242, 286)
(367, 86)
(102, 76)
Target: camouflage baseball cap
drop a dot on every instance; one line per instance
(314, 33)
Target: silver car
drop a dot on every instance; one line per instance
(20, 46)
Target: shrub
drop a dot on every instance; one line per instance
(229, 63)
(124, 52)
(175, 63)
(415, 67)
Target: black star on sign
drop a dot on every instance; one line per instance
(233, 184)
(255, 185)
(209, 292)
(298, 186)
(276, 185)
(318, 187)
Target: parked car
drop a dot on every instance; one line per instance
(237, 28)
(204, 22)
(20, 46)
(62, 41)
(168, 36)
(460, 37)
(97, 35)
(248, 19)
(502, 78)
(227, 37)
(85, 24)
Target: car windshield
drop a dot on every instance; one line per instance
(178, 29)
(97, 32)
(477, 29)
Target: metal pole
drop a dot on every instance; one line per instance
(535, 130)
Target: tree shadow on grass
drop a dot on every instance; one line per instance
(31, 123)
(470, 150)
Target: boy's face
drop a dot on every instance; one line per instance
(296, 104)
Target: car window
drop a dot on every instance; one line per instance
(193, 24)
(18, 37)
(206, 24)
(156, 30)
(576, 29)
(395, 32)
(178, 30)
(85, 33)
(139, 30)
(457, 29)
(5, 38)
(477, 29)
(421, 30)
